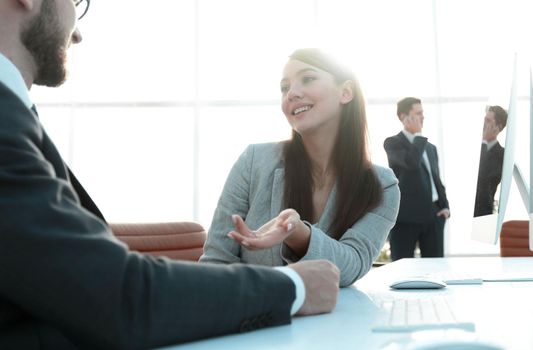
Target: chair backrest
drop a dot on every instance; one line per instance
(514, 238)
(175, 240)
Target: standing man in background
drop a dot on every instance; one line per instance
(65, 281)
(490, 161)
(423, 205)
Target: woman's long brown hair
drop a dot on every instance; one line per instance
(358, 188)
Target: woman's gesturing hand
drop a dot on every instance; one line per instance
(270, 234)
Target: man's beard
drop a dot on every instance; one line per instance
(44, 39)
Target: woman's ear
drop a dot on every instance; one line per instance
(346, 92)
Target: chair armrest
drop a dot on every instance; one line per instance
(175, 240)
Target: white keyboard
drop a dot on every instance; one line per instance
(454, 277)
(424, 313)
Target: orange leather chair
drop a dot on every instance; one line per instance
(175, 240)
(514, 238)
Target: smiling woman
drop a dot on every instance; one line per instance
(316, 196)
(311, 98)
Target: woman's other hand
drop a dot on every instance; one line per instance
(282, 228)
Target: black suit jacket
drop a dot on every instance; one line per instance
(66, 282)
(489, 176)
(405, 159)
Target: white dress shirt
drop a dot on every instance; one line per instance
(298, 283)
(490, 144)
(10, 76)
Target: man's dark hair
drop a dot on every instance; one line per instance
(500, 115)
(405, 105)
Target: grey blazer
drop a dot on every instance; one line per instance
(254, 190)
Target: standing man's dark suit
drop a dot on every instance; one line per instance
(66, 282)
(488, 179)
(423, 208)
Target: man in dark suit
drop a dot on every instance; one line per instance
(423, 205)
(490, 161)
(65, 281)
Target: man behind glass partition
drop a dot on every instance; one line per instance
(65, 281)
(490, 161)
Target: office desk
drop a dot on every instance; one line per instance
(502, 311)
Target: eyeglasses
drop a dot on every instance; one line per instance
(81, 7)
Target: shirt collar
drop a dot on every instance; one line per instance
(411, 137)
(490, 144)
(10, 76)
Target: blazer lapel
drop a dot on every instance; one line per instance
(85, 200)
(276, 201)
(404, 139)
(64, 172)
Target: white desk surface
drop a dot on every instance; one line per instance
(501, 311)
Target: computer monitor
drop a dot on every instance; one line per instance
(487, 222)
